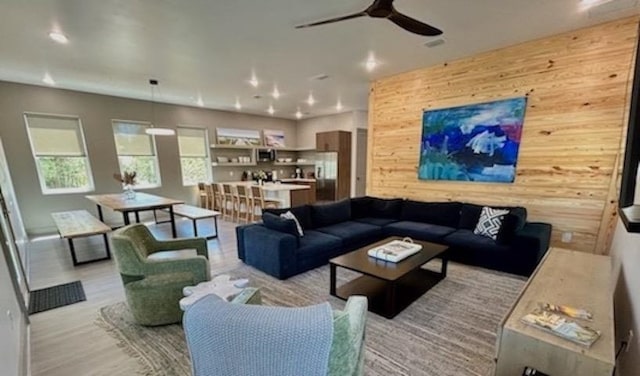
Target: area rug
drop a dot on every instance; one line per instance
(450, 330)
(56, 296)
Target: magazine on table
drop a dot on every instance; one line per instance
(396, 250)
(562, 327)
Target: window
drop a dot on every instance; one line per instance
(194, 155)
(137, 152)
(58, 147)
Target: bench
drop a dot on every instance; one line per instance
(194, 213)
(77, 224)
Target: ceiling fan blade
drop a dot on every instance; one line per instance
(332, 20)
(413, 25)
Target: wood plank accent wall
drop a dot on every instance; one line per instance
(578, 86)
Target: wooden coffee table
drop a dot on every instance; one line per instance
(390, 287)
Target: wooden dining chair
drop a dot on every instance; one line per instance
(258, 201)
(243, 203)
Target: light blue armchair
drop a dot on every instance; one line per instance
(248, 340)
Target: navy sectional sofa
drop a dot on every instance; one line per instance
(276, 248)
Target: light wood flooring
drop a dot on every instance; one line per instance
(65, 341)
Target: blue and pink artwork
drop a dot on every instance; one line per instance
(478, 142)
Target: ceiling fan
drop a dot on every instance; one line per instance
(385, 9)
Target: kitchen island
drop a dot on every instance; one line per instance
(288, 194)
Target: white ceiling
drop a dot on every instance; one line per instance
(210, 47)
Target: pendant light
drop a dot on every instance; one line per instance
(153, 130)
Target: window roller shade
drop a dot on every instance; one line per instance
(53, 136)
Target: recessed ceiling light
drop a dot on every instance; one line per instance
(275, 93)
(253, 81)
(298, 114)
(238, 106)
(271, 110)
(311, 100)
(339, 105)
(58, 37)
(200, 102)
(48, 80)
(371, 63)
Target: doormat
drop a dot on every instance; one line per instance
(56, 296)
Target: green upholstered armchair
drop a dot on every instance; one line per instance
(154, 272)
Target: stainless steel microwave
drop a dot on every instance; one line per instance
(266, 155)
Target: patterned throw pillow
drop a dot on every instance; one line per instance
(289, 215)
(490, 222)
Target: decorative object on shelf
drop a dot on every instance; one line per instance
(478, 142)
(128, 179)
(156, 131)
(238, 137)
(273, 139)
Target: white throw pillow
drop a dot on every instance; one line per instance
(490, 222)
(289, 215)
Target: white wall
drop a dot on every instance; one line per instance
(13, 327)
(347, 121)
(96, 113)
(625, 253)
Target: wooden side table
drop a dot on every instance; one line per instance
(569, 278)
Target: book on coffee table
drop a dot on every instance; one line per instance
(396, 250)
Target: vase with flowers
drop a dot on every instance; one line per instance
(128, 180)
(261, 176)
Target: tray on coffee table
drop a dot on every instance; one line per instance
(390, 287)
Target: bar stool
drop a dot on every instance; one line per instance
(228, 202)
(208, 189)
(203, 195)
(243, 200)
(259, 201)
(217, 196)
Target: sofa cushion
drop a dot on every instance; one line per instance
(363, 207)
(513, 222)
(466, 239)
(330, 214)
(435, 213)
(277, 223)
(490, 222)
(418, 230)
(353, 233)
(376, 221)
(291, 216)
(316, 248)
(303, 213)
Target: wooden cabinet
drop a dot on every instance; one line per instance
(564, 277)
(339, 142)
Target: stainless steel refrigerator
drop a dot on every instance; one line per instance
(327, 176)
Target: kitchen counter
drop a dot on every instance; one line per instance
(272, 186)
(297, 180)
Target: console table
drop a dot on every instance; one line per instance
(570, 278)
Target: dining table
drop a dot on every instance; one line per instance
(140, 202)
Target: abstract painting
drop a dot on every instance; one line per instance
(478, 142)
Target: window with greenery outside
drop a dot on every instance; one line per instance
(194, 156)
(60, 154)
